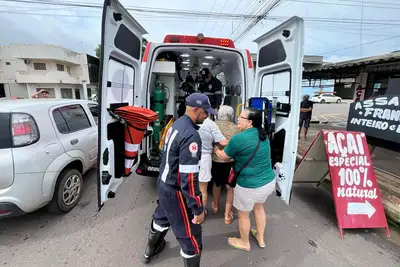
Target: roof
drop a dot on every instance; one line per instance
(394, 56)
(36, 102)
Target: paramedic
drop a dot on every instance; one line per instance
(306, 107)
(179, 198)
(212, 87)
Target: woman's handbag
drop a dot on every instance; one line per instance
(233, 175)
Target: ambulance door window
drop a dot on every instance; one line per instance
(276, 85)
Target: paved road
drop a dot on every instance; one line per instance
(336, 116)
(303, 234)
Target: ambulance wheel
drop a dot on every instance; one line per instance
(338, 101)
(68, 191)
(322, 101)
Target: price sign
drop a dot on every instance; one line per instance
(355, 189)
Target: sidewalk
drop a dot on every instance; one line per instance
(389, 184)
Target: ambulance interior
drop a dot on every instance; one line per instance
(174, 74)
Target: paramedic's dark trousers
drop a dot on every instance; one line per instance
(173, 212)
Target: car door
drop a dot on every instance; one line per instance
(279, 78)
(74, 131)
(327, 98)
(120, 68)
(93, 113)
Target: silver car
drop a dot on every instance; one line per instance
(45, 148)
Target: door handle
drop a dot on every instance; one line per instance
(74, 141)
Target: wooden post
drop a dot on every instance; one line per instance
(371, 148)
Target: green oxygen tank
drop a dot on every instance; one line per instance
(158, 106)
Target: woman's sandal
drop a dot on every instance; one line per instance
(254, 234)
(230, 220)
(214, 207)
(232, 244)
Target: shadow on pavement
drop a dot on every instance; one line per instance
(35, 225)
(321, 201)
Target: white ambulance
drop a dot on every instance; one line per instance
(128, 78)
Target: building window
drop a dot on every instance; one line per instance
(69, 69)
(2, 90)
(66, 93)
(60, 67)
(39, 66)
(8, 63)
(77, 94)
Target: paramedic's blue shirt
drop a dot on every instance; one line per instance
(180, 161)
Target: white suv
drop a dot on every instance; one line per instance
(45, 148)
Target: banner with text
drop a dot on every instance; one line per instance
(355, 189)
(379, 118)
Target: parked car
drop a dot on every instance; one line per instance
(45, 148)
(326, 98)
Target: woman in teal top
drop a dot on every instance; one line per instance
(255, 182)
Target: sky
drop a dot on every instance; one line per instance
(334, 29)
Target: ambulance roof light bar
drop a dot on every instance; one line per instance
(199, 39)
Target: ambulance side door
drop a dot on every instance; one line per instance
(279, 75)
(120, 74)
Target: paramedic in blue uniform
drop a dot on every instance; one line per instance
(179, 198)
(212, 87)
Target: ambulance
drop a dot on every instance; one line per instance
(128, 78)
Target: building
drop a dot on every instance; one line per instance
(361, 78)
(26, 69)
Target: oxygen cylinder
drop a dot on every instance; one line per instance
(158, 106)
(158, 99)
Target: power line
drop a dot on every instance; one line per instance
(213, 27)
(274, 18)
(233, 12)
(248, 9)
(356, 46)
(334, 22)
(256, 21)
(379, 5)
(257, 7)
(215, 1)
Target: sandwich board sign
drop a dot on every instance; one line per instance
(344, 155)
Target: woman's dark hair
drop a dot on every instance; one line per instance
(255, 116)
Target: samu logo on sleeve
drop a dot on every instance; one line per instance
(193, 148)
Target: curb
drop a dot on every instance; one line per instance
(319, 122)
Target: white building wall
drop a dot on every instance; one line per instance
(21, 79)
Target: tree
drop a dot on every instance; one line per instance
(98, 48)
(98, 51)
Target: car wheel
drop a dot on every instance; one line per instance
(338, 101)
(67, 192)
(322, 101)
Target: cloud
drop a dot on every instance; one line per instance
(79, 28)
(335, 59)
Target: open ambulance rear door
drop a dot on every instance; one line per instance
(279, 77)
(120, 74)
